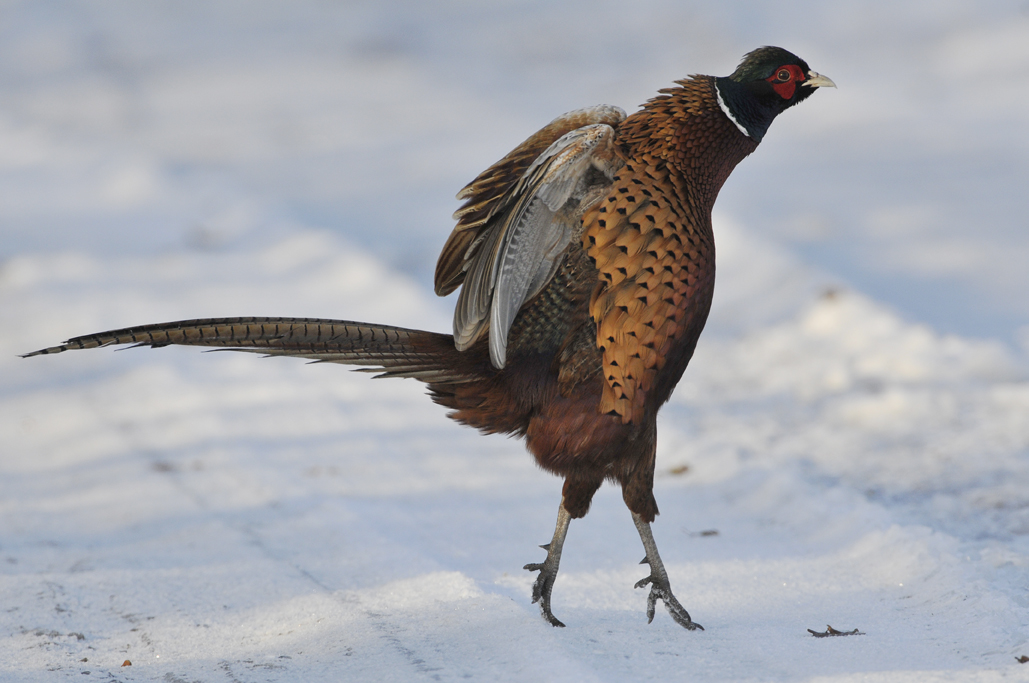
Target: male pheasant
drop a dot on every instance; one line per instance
(586, 262)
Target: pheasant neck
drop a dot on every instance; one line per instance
(688, 130)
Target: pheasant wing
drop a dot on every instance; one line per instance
(491, 192)
(519, 248)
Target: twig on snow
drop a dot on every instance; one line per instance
(830, 631)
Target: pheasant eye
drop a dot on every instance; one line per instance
(783, 75)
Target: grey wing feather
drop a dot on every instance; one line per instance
(514, 259)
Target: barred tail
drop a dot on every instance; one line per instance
(391, 351)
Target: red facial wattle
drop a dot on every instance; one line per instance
(785, 79)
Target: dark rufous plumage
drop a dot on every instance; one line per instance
(586, 262)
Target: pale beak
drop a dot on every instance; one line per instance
(817, 80)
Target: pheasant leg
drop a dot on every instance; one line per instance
(658, 580)
(547, 569)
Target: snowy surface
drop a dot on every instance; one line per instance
(855, 424)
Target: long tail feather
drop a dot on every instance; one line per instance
(393, 351)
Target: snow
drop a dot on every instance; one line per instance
(850, 445)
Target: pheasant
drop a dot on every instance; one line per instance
(586, 264)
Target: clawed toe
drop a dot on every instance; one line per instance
(664, 593)
(542, 589)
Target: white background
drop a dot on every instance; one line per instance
(855, 423)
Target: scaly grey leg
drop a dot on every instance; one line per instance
(658, 580)
(544, 585)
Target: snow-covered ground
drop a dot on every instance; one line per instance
(854, 426)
